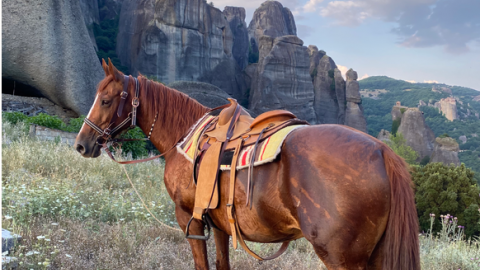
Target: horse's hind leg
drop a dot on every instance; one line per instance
(221, 244)
(199, 247)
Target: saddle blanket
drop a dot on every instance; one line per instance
(267, 150)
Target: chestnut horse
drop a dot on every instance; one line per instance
(346, 192)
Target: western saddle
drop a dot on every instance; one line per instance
(232, 130)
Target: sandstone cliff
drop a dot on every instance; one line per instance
(416, 132)
(354, 112)
(445, 151)
(281, 79)
(270, 19)
(46, 45)
(176, 40)
(448, 107)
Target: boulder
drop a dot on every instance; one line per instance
(186, 40)
(271, 19)
(463, 138)
(416, 132)
(281, 79)
(46, 45)
(446, 151)
(236, 19)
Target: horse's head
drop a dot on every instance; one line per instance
(110, 112)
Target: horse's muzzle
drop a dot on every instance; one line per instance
(87, 149)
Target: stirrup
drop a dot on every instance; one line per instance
(198, 237)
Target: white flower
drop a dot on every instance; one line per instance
(68, 256)
(7, 217)
(48, 240)
(40, 237)
(54, 224)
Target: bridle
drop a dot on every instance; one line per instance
(108, 133)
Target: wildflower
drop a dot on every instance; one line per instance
(40, 237)
(7, 217)
(54, 224)
(68, 256)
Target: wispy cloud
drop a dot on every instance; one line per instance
(427, 81)
(364, 77)
(343, 70)
(411, 81)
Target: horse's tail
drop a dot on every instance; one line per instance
(400, 240)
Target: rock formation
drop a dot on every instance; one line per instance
(463, 138)
(90, 16)
(397, 111)
(416, 132)
(384, 136)
(476, 98)
(270, 19)
(441, 89)
(445, 151)
(236, 19)
(326, 103)
(448, 107)
(186, 40)
(46, 45)
(281, 79)
(354, 112)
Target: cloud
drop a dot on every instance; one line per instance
(311, 5)
(343, 70)
(426, 81)
(453, 24)
(411, 81)
(364, 77)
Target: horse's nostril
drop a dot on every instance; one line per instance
(80, 148)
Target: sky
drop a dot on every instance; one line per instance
(413, 40)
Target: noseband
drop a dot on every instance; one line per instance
(108, 133)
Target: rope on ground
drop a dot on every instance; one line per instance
(144, 205)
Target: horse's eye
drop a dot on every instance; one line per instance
(105, 102)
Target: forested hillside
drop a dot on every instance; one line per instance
(378, 105)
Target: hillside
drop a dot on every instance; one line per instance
(380, 93)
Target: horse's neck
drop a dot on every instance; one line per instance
(166, 133)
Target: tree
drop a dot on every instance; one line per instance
(442, 190)
(397, 143)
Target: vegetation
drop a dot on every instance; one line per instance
(77, 213)
(397, 143)
(444, 190)
(135, 148)
(378, 116)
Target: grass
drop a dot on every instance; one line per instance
(77, 213)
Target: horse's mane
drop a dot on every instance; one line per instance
(177, 112)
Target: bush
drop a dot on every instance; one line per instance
(398, 145)
(443, 190)
(425, 160)
(395, 125)
(136, 148)
(14, 117)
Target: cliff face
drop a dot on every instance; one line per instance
(90, 16)
(416, 132)
(281, 79)
(46, 45)
(236, 19)
(445, 151)
(270, 19)
(448, 107)
(178, 40)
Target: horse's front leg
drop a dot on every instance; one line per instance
(221, 244)
(199, 247)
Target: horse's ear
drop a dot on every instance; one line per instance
(105, 67)
(113, 71)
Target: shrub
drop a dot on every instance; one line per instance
(14, 117)
(443, 190)
(397, 143)
(425, 160)
(395, 125)
(403, 110)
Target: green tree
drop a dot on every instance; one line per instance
(397, 143)
(442, 190)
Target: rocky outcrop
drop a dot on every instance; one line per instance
(397, 111)
(236, 19)
(281, 79)
(384, 136)
(416, 132)
(476, 98)
(354, 112)
(445, 151)
(327, 106)
(186, 40)
(270, 19)
(463, 138)
(90, 16)
(46, 45)
(448, 107)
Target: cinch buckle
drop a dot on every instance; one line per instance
(135, 102)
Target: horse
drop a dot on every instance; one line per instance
(346, 192)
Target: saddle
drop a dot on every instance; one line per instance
(223, 138)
